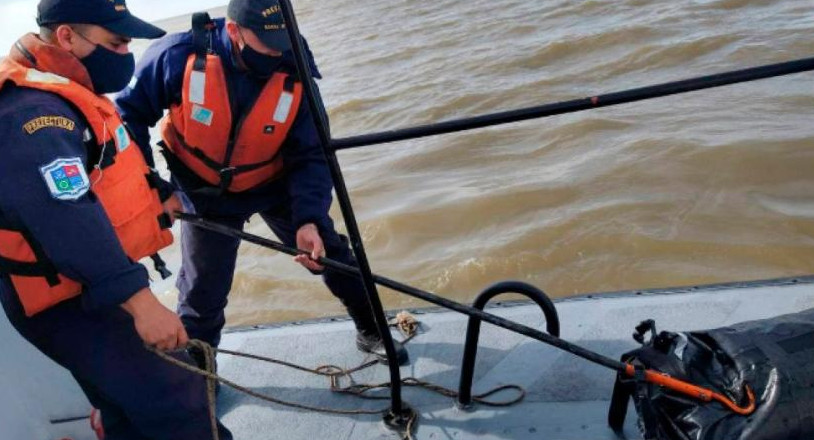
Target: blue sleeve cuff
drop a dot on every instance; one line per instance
(323, 222)
(115, 290)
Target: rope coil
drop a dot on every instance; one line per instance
(404, 322)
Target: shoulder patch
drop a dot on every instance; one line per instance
(66, 178)
(37, 124)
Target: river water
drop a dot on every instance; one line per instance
(710, 186)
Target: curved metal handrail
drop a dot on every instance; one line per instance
(473, 328)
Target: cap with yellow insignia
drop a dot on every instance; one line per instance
(264, 18)
(112, 15)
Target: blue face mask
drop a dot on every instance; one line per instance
(109, 71)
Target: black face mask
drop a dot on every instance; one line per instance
(109, 71)
(261, 66)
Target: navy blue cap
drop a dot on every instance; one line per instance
(264, 18)
(112, 15)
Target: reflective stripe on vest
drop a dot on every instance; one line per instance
(237, 155)
(122, 187)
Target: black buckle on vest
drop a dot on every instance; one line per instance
(153, 179)
(288, 84)
(107, 151)
(227, 175)
(164, 221)
(160, 266)
(108, 156)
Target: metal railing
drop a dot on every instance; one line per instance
(400, 413)
(552, 321)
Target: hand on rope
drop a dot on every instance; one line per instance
(155, 324)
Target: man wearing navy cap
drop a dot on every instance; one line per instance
(240, 140)
(79, 207)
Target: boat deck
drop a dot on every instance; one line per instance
(567, 397)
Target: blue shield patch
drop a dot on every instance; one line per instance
(66, 178)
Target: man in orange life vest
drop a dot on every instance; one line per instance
(240, 140)
(78, 208)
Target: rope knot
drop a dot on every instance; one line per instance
(406, 323)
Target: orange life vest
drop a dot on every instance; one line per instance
(234, 152)
(121, 182)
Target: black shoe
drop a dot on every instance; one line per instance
(373, 344)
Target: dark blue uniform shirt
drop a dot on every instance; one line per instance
(74, 233)
(306, 184)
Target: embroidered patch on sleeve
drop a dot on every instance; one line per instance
(66, 178)
(37, 124)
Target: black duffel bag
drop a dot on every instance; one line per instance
(775, 357)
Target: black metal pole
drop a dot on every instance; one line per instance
(417, 293)
(320, 119)
(403, 420)
(559, 108)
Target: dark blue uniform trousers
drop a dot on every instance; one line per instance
(140, 396)
(208, 267)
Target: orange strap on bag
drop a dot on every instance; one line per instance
(694, 391)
